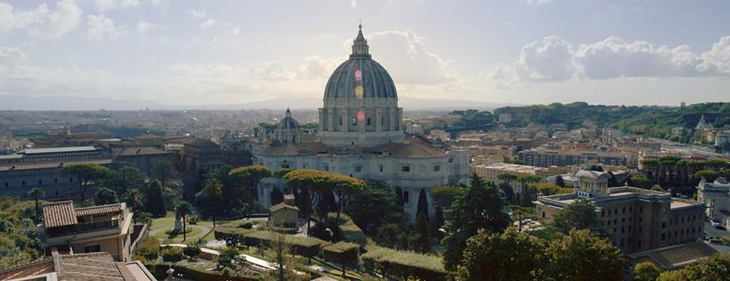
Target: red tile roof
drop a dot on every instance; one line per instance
(56, 214)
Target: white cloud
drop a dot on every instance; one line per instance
(538, 1)
(107, 5)
(10, 59)
(718, 57)
(198, 14)
(207, 23)
(143, 27)
(235, 31)
(555, 60)
(405, 56)
(318, 67)
(42, 22)
(101, 27)
(615, 58)
(549, 60)
(353, 3)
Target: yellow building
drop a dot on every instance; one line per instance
(105, 228)
(284, 214)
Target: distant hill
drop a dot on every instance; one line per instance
(652, 121)
(660, 124)
(83, 103)
(574, 114)
(9, 102)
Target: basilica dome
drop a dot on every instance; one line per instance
(360, 71)
(288, 122)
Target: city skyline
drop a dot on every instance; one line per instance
(183, 53)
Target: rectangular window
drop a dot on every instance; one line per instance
(358, 168)
(664, 237)
(381, 168)
(340, 120)
(368, 121)
(354, 121)
(436, 168)
(92, 248)
(451, 160)
(405, 168)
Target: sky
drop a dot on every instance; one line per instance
(181, 52)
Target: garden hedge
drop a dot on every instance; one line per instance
(402, 264)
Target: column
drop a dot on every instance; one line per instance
(378, 115)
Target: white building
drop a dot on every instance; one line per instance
(361, 135)
(716, 196)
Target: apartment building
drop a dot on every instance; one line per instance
(637, 219)
(70, 229)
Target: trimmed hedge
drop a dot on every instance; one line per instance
(304, 246)
(404, 264)
(159, 270)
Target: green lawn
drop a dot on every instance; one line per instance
(201, 230)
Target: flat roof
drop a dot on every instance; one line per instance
(58, 150)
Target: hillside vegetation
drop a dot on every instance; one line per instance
(652, 121)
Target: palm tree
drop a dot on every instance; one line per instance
(134, 200)
(37, 194)
(183, 210)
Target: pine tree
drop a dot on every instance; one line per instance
(423, 242)
(559, 181)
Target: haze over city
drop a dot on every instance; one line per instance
(361, 140)
(195, 53)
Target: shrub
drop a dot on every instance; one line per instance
(227, 256)
(193, 219)
(192, 250)
(328, 230)
(403, 264)
(149, 248)
(171, 254)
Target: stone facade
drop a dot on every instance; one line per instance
(638, 219)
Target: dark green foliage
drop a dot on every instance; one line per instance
(445, 195)
(171, 254)
(580, 256)
(579, 215)
(559, 181)
(373, 206)
(422, 208)
(423, 242)
(404, 265)
(436, 223)
(640, 182)
(192, 250)
(646, 271)
(276, 196)
(596, 168)
(715, 268)
(480, 208)
(155, 202)
(105, 196)
(149, 248)
(123, 180)
(511, 255)
(163, 171)
(573, 114)
(327, 230)
(659, 123)
(87, 175)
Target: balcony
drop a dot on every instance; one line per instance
(83, 228)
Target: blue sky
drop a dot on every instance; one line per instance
(223, 52)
